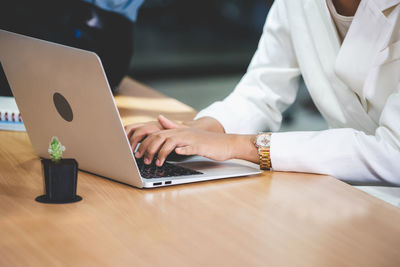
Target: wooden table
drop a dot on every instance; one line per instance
(274, 219)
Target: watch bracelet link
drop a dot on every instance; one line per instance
(265, 158)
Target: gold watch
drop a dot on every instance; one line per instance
(263, 143)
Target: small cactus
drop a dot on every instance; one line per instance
(56, 149)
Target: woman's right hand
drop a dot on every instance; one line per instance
(137, 132)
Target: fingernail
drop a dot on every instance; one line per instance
(147, 161)
(158, 162)
(137, 155)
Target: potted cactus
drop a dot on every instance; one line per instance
(60, 176)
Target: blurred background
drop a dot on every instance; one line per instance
(195, 51)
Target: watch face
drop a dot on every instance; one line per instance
(263, 140)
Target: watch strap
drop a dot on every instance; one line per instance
(265, 158)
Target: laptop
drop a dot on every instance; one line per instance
(63, 91)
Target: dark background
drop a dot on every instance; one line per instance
(176, 37)
(172, 38)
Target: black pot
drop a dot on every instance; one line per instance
(60, 180)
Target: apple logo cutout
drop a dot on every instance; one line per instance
(63, 107)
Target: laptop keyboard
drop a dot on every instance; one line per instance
(166, 170)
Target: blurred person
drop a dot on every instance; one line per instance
(103, 26)
(348, 53)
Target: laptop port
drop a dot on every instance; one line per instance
(159, 183)
(168, 182)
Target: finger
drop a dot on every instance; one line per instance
(129, 129)
(165, 150)
(150, 146)
(186, 150)
(137, 137)
(166, 123)
(140, 134)
(143, 146)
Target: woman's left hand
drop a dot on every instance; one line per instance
(186, 141)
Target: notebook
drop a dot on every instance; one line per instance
(10, 117)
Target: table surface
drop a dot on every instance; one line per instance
(272, 219)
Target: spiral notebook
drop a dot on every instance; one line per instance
(10, 118)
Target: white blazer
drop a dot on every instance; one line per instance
(355, 86)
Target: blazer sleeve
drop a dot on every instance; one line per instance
(269, 86)
(347, 154)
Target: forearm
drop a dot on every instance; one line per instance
(207, 124)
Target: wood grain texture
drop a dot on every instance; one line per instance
(273, 219)
(136, 103)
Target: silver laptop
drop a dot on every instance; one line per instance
(62, 91)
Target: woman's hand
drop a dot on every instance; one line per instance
(186, 141)
(137, 132)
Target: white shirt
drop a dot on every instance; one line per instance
(342, 22)
(355, 86)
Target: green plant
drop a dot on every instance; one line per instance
(56, 149)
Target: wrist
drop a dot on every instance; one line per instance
(243, 147)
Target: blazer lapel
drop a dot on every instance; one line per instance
(327, 44)
(369, 33)
(385, 4)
